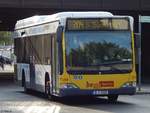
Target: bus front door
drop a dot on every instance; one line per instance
(53, 69)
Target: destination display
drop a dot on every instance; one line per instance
(97, 24)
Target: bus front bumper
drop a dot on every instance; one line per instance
(79, 92)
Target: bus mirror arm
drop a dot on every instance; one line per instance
(59, 33)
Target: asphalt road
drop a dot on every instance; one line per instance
(14, 100)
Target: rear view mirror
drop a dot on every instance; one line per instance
(59, 33)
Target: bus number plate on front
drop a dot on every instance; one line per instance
(78, 77)
(100, 92)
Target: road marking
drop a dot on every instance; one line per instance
(30, 109)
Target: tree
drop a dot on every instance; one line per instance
(5, 38)
(97, 53)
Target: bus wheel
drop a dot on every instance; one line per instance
(112, 98)
(25, 87)
(47, 90)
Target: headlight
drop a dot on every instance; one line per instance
(129, 84)
(69, 86)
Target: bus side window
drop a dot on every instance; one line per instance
(47, 49)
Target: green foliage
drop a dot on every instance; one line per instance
(5, 38)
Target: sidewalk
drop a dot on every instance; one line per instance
(145, 89)
(7, 69)
(7, 73)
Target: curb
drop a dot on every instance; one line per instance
(6, 76)
(142, 92)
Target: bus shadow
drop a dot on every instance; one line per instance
(98, 103)
(34, 93)
(88, 101)
(77, 100)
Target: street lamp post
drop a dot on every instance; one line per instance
(139, 56)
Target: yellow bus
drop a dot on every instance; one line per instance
(76, 54)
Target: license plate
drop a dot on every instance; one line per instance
(100, 92)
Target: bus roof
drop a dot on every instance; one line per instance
(47, 24)
(37, 20)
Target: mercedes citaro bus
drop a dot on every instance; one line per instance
(76, 54)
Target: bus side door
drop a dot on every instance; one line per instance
(53, 70)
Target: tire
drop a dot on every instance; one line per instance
(47, 90)
(26, 90)
(112, 98)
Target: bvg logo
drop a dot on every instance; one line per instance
(100, 84)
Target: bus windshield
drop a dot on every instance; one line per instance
(100, 51)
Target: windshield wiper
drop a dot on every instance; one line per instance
(115, 62)
(115, 69)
